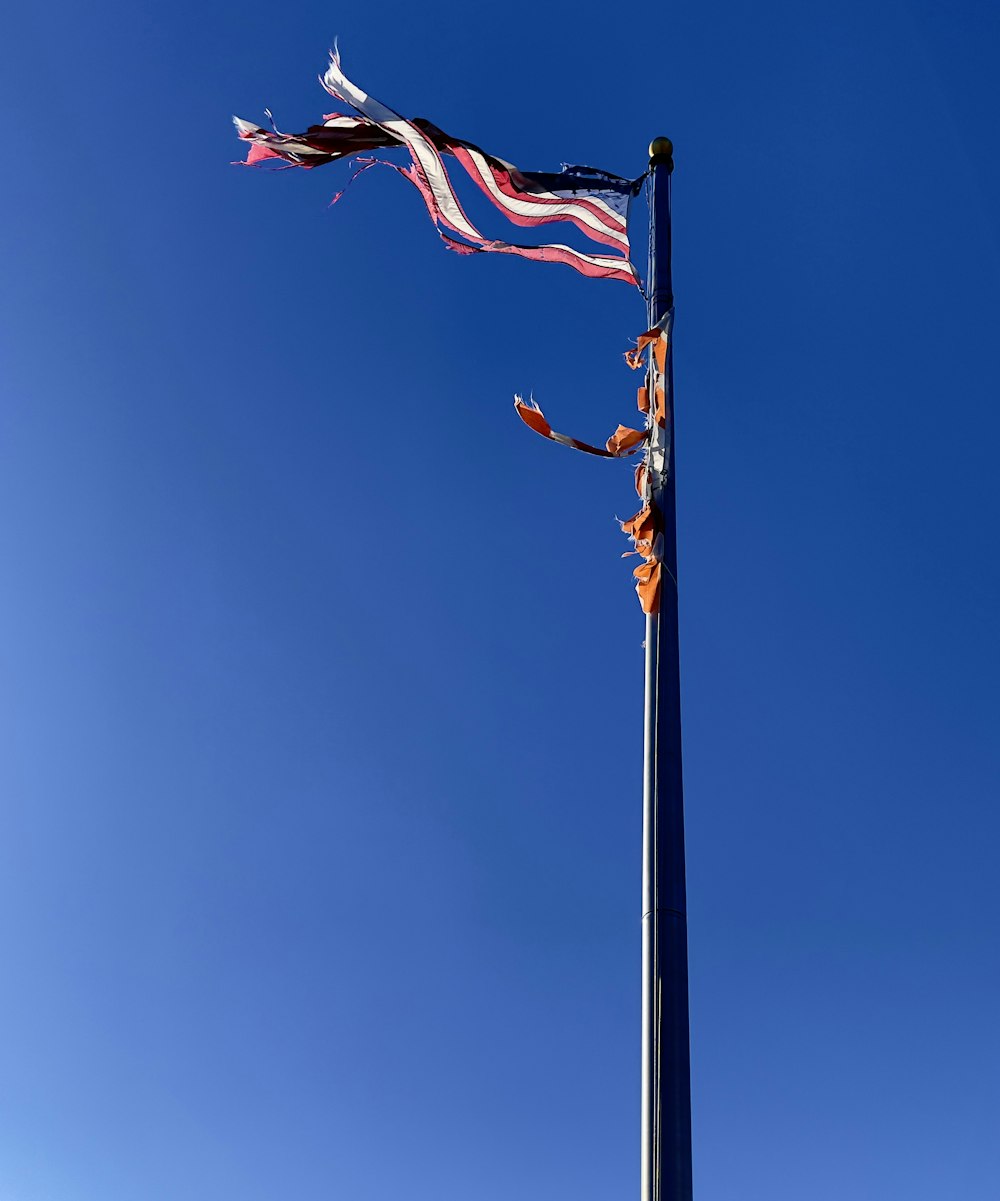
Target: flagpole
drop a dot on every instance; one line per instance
(666, 1069)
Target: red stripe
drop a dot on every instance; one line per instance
(547, 254)
(572, 258)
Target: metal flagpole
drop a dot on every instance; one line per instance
(666, 1066)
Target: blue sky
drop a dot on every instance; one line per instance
(320, 676)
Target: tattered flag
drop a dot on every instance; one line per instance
(594, 201)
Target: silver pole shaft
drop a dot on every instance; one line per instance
(666, 1071)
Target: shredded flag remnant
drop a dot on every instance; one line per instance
(644, 528)
(594, 201)
(651, 477)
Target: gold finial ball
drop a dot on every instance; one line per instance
(661, 148)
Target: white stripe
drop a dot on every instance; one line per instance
(342, 122)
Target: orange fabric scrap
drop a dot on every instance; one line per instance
(533, 417)
(661, 407)
(625, 439)
(642, 400)
(647, 585)
(643, 529)
(634, 357)
(640, 480)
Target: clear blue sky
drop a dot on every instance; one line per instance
(320, 676)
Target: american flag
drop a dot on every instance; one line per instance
(596, 202)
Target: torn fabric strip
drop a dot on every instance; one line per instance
(624, 441)
(594, 201)
(648, 576)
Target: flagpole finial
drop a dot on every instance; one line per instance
(661, 150)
